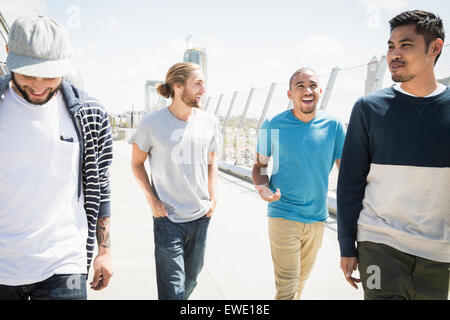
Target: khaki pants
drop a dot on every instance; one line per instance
(294, 247)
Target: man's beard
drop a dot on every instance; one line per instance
(188, 100)
(27, 97)
(308, 111)
(400, 78)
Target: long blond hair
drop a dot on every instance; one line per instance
(177, 74)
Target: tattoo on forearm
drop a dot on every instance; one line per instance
(102, 232)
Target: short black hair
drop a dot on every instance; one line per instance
(427, 24)
(301, 70)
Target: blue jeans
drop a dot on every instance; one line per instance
(57, 287)
(179, 256)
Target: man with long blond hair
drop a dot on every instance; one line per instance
(181, 143)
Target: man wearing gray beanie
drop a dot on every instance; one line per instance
(55, 155)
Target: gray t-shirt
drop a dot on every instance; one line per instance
(178, 159)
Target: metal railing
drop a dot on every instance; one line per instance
(4, 32)
(241, 113)
(241, 119)
(4, 28)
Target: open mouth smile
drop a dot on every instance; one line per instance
(308, 100)
(37, 94)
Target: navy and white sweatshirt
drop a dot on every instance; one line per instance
(394, 179)
(91, 122)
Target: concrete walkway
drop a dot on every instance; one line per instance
(238, 264)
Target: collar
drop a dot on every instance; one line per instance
(441, 88)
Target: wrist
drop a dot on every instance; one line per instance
(102, 250)
(151, 199)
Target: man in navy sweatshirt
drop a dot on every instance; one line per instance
(394, 181)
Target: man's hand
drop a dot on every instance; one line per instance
(266, 194)
(102, 271)
(138, 158)
(348, 265)
(158, 208)
(211, 210)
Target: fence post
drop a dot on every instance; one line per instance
(247, 105)
(4, 28)
(329, 89)
(372, 69)
(267, 104)
(381, 69)
(229, 111)
(218, 105)
(207, 103)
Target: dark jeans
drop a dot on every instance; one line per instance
(57, 287)
(179, 256)
(389, 274)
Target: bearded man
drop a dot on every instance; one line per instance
(180, 142)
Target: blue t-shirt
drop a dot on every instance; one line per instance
(303, 155)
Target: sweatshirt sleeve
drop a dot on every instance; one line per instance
(355, 165)
(105, 155)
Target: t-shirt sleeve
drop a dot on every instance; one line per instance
(263, 146)
(142, 137)
(340, 139)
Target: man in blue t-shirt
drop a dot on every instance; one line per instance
(304, 144)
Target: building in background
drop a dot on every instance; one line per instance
(198, 56)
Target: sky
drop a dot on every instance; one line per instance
(118, 45)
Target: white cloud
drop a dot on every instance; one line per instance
(390, 6)
(82, 53)
(213, 47)
(108, 22)
(319, 48)
(374, 9)
(122, 84)
(320, 45)
(272, 68)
